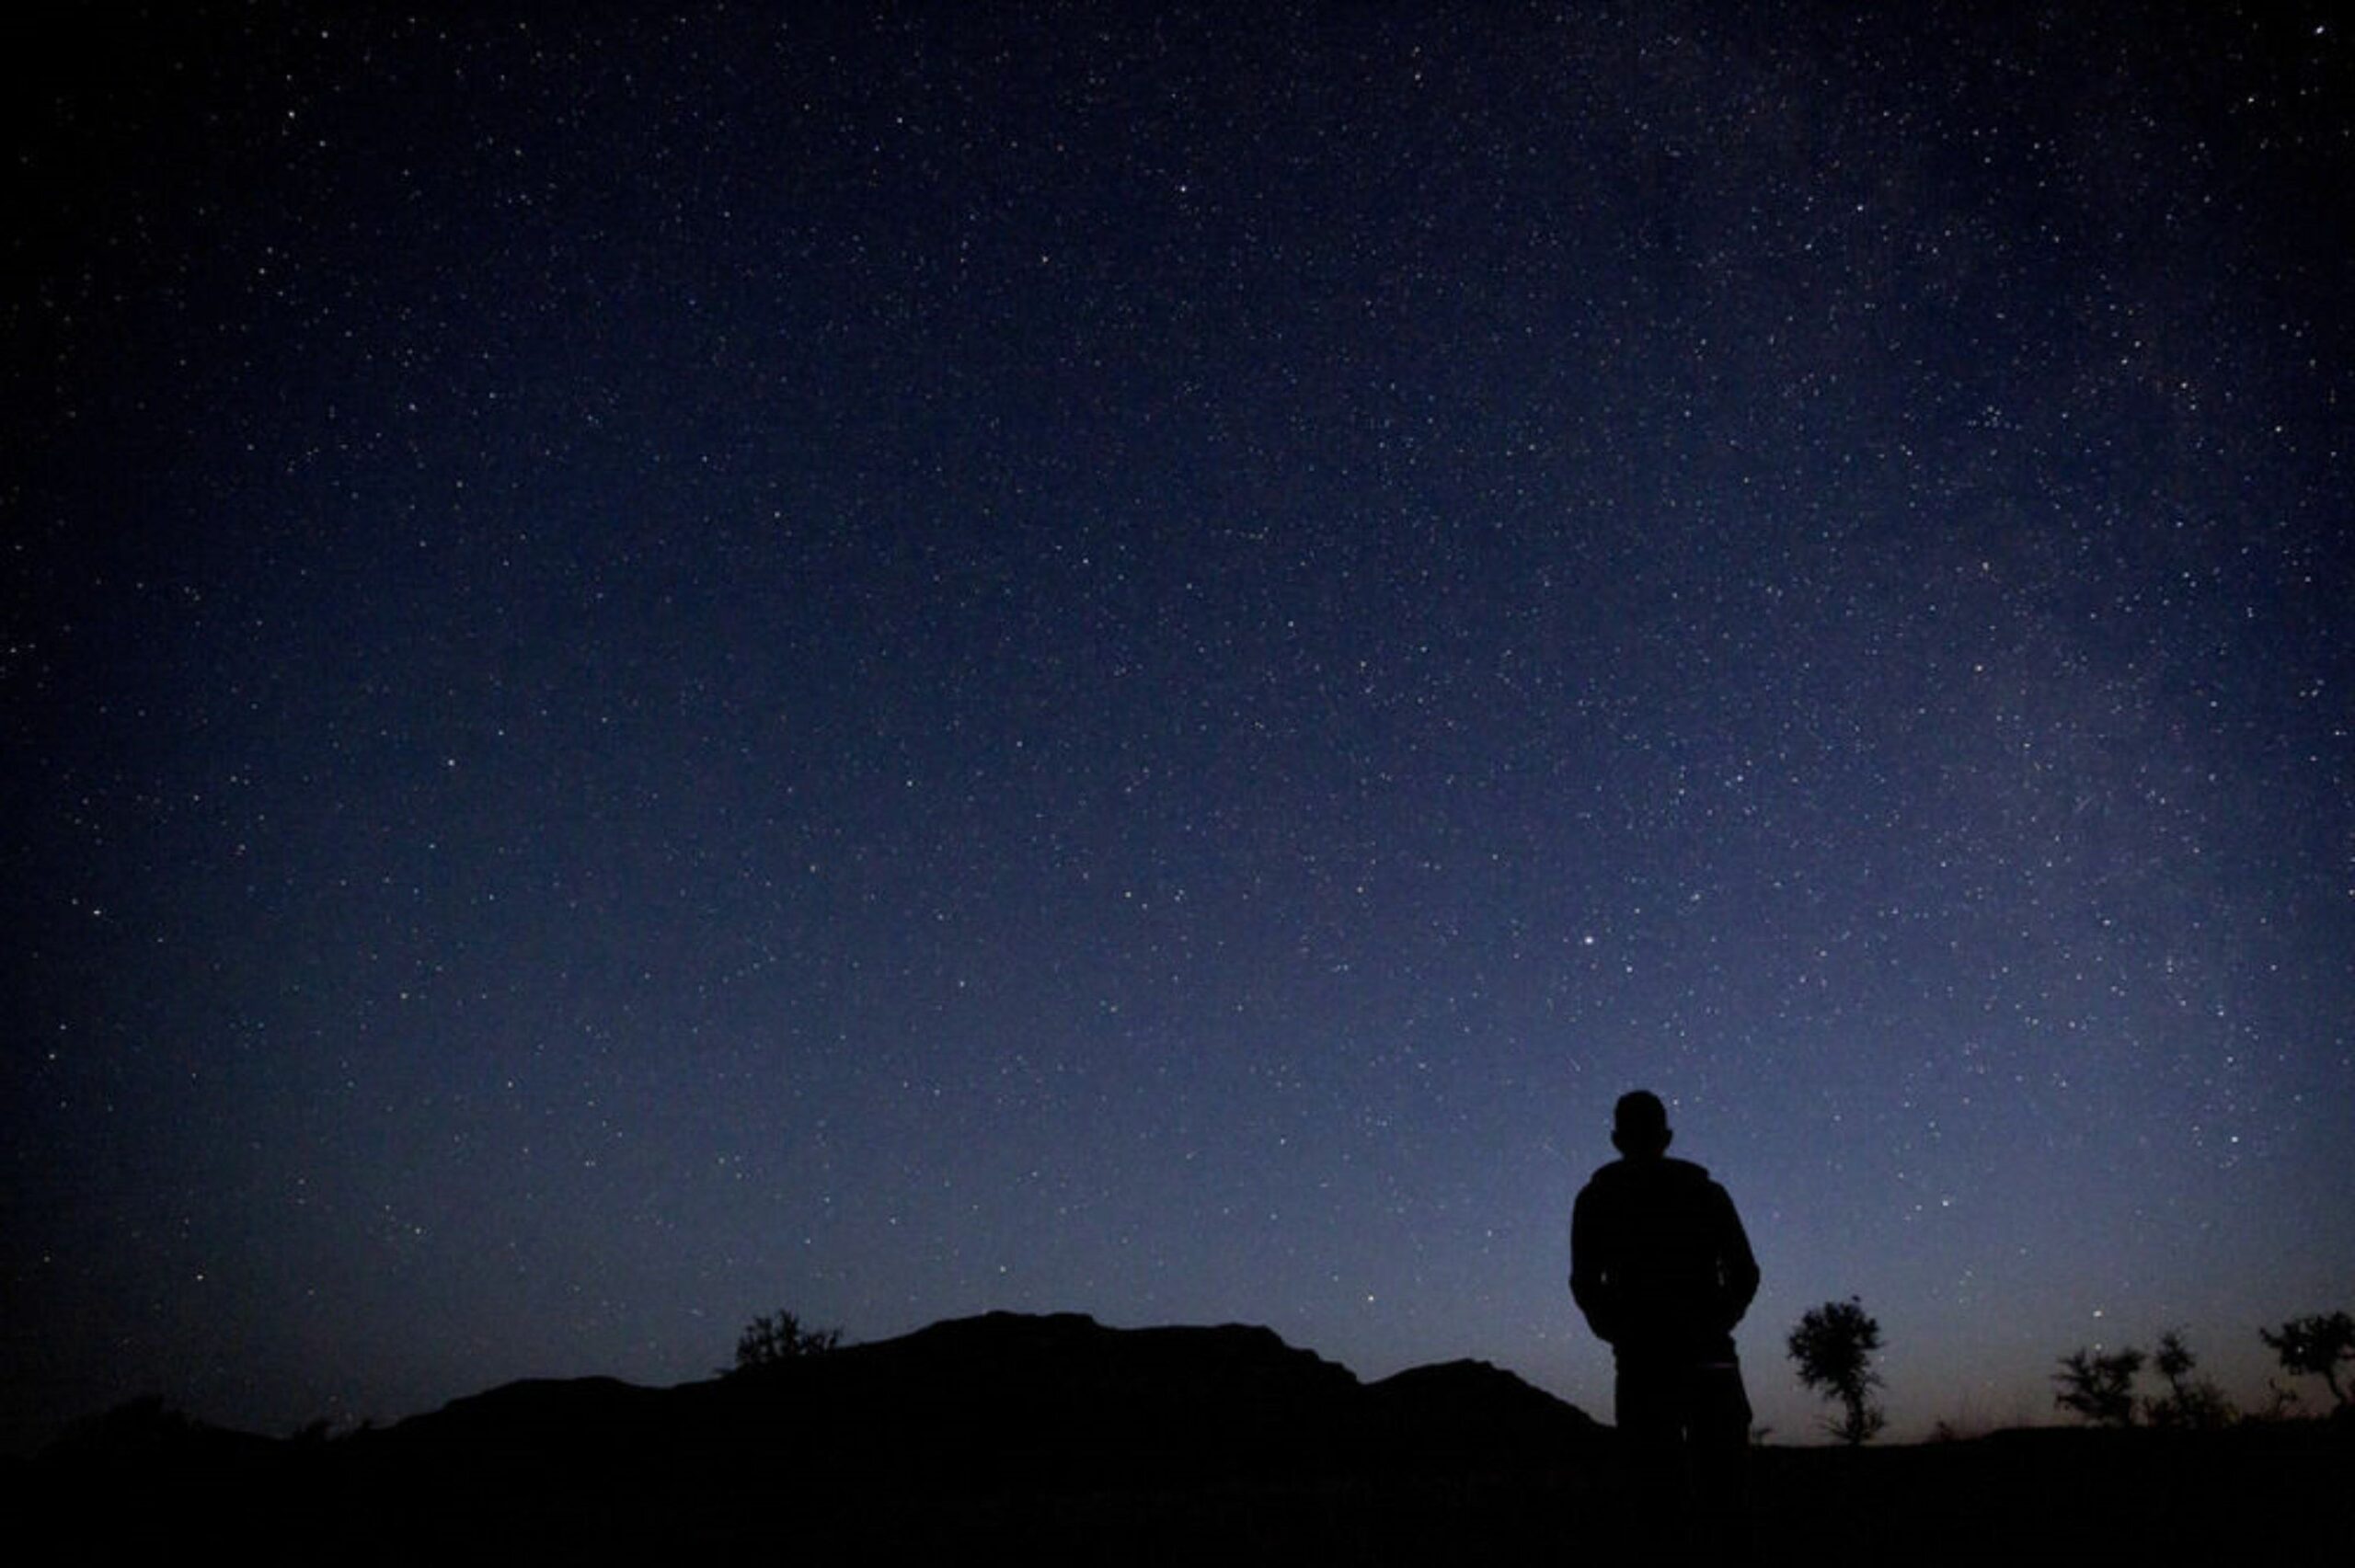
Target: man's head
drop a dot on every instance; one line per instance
(1639, 1126)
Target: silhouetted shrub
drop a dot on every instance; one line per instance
(775, 1340)
(1834, 1346)
(2191, 1403)
(2099, 1387)
(2316, 1346)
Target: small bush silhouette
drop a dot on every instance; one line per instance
(2099, 1387)
(2316, 1346)
(773, 1340)
(1834, 1346)
(2191, 1403)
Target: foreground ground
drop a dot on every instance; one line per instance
(1057, 1440)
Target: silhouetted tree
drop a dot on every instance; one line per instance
(2316, 1346)
(771, 1340)
(2192, 1402)
(2099, 1387)
(1833, 1346)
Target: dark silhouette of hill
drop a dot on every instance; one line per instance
(1011, 1399)
(1058, 1439)
(1073, 1439)
(1470, 1409)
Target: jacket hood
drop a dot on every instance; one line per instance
(1682, 1172)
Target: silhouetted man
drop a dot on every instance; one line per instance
(1661, 1268)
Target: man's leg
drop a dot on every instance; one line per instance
(1719, 1421)
(1649, 1405)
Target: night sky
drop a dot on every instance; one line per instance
(896, 664)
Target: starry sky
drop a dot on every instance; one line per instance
(900, 660)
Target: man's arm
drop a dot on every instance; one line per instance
(1739, 1265)
(1590, 1281)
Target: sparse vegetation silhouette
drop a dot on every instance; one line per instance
(2191, 1403)
(2317, 1346)
(2099, 1385)
(779, 1338)
(1835, 1346)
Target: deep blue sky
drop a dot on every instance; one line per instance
(658, 668)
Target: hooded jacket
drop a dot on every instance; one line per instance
(1659, 1262)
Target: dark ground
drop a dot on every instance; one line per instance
(1054, 1440)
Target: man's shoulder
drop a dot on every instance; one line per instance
(1616, 1175)
(1645, 1180)
(1660, 1172)
(1646, 1186)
